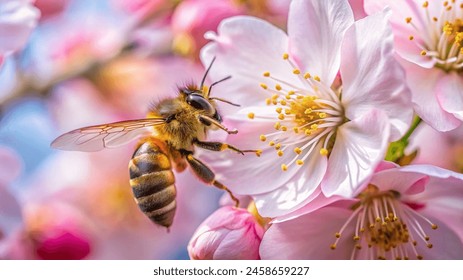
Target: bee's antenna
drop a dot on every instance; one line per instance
(205, 74)
(214, 83)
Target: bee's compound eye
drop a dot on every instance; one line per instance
(200, 103)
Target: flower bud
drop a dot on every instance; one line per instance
(229, 233)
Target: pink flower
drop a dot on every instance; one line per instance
(192, 18)
(314, 133)
(412, 212)
(17, 19)
(428, 36)
(50, 8)
(229, 233)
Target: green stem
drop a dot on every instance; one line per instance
(396, 149)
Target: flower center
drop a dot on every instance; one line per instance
(386, 227)
(306, 117)
(443, 36)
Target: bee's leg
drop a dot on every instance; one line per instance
(208, 121)
(218, 146)
(206, 175)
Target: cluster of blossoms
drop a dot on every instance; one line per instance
(354, 109)
(329, 105)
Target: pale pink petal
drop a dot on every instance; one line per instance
(248, 174)
(360, 146)
(371, 76)
(450, 94)
(316, 29)
(422, 83)
(296, 191)
(442, 197)
(17, 19)
(309, 237)
(408, 49)
(245, 48)
(398, 180)
(316, 201)
(10, 213)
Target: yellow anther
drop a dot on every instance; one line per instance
(408, 19)
(316, 78)
(423, 52)
(268, 101)
(322, 115)
(433, 226)
(307, 75)
(271, 143)
(251, 115)
(435, 19)
(425, 4)
(288, 97)
(283, 102)
(266, 74)
(300, 97)
(296, 129)
(275, 96)
(258, 153)
(323, 152)
(308, 111)
(333, 246)
(279, 110)
(296, 71)
(285, 56)
(280, 153)
(291, 92)
(284, 128)
(278, 87)
(314, 126)
(277, 125)
(274, 102)
(278, 146)
(446, 3)
(448, 28)
(281, 116)
(297, 150)
(299, 162)
(411, 37)
(263, 138)
(264, 86)
(284, 167)
(308, 132)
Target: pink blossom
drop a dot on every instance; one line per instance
(17, 19)
(314, 134)
(229, 233)
(192, 18)
(412, 212)
(50, 8)
(427, 36)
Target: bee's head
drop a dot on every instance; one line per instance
(196, 99)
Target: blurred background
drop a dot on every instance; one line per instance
(88, 62)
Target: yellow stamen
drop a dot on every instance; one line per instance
(285, 56)
(266, 74)
(299, 162)
(264, 86)
(251, 115)
(411, 37)
(323, 152)
(284, 167)
(296, 71)
(263, 138)
(307, 75)
(425, 4)
(316, 78)
(271, 143)
(258, 153)
(297, 150)
(278, 87)
(278, 146)
(423, 52)
(280, 153)
(408, 19)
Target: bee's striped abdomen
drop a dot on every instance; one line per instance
(152, 182)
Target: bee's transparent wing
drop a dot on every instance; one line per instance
(98, 137)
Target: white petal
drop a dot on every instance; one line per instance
(450, 94)
(296, 192)
(245, 48)
(316, 30)
(360, 146)
(371, 76)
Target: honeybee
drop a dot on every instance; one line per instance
(173, 127)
